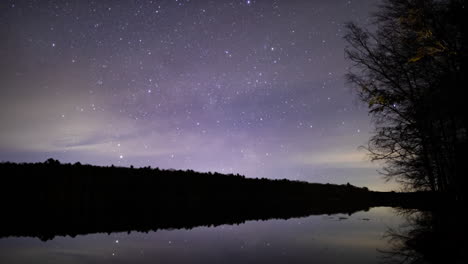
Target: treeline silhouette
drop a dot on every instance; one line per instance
(410, 69)
(49, 199)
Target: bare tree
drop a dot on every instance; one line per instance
(410, 72)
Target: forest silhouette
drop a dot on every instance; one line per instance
(49, 199)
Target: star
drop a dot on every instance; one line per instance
(182, 84)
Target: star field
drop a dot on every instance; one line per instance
(249, 87)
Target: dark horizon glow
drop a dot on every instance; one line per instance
(249, 87)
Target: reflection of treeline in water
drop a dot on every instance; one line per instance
(48, 199)
(436, 236)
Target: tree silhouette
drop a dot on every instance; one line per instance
(410, 71)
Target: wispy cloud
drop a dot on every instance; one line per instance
(337, 158)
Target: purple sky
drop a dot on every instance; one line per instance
(249, 87)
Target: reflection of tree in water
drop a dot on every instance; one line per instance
(428, 237)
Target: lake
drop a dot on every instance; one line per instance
(338, 238)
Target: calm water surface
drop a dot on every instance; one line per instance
(315, 239)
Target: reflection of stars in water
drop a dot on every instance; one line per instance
(114, 242)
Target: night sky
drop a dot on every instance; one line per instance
(249, 87)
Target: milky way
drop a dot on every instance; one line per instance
(249, 87)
